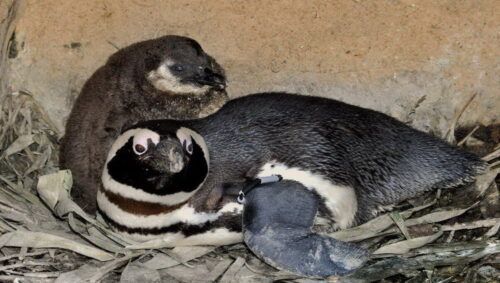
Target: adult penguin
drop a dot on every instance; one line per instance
(169, 179)
(167, 77)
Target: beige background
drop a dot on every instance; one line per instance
(382, 54)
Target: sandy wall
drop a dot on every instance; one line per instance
(393, 56)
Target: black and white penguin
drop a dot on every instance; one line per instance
(353, 161)
(170, 77)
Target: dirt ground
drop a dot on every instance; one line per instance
(393, 55)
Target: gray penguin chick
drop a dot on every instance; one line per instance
(167, 77)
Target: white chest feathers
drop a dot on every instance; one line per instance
(339, 200)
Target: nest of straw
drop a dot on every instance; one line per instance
(444, 236)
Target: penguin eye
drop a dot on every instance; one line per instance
(144, 139)
(178, 68)
(139, 149)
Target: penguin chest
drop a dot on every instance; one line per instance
(168, 225)
(340, 200)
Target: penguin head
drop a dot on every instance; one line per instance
(172, 64)
(173, 161)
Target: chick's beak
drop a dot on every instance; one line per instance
(208, 77)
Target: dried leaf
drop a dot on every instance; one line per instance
(19, 193)
(40, 161)
(400, 222)
(79, 275)
(185, 254)
(396, 265)
(51, 186)
(197, 273)
(136, 272)
(45, 240)
(493, 230)
(97, 239)
(58, 193)
(471, 225)
(373, 227)
(405, 246)
(110, 243)
(218, 270)
(19, 144)
(484, 181)
(110, 266)
(161, 261)
(230, 275)
(177, 256)
(151, 244)
(437, 216)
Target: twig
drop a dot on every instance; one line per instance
(22, 264)
(493, 155)
(494, 164)
(468, 136)
(18, 255)
(113, 44)
(12, 266)
(9, 278)
(37, 274)
(450, 134)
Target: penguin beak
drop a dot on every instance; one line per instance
(167, 157)
(207, 77)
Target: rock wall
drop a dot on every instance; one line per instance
(419, 61)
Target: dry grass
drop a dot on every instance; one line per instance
(448, 236)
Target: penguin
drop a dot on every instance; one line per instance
(177, 179)
(167, 77)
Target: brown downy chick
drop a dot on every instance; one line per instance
(168, 77)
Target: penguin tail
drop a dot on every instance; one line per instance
(463, 170)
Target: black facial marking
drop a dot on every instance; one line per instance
(128, 169)
(152, 62)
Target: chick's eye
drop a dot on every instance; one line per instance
(178, 68)
(139, 149)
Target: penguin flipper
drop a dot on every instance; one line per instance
(277, 221)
